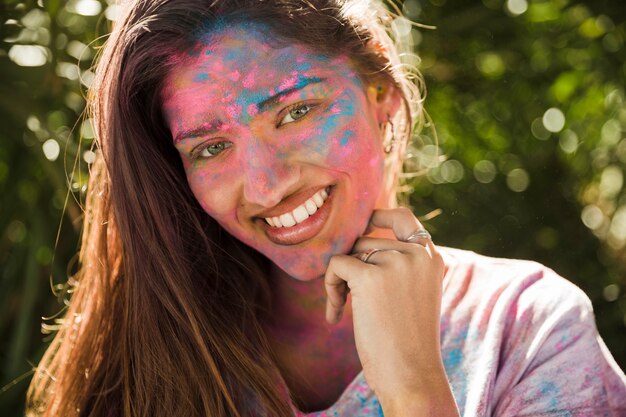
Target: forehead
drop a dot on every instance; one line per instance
(250, 58)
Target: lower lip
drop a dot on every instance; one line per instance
(301, 231)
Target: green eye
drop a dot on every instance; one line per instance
(212, 149)
(296, 113)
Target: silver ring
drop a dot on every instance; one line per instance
(368, 253)
(419, 233)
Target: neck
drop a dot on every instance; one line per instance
(299, 308)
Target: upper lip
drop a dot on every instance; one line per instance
(291, 202)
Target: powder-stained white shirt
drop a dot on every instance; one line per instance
(517, 340)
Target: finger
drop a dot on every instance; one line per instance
(369, 229)
(337, 281)
(400, 220)
(383, 257)
(337, 295)
(421, 240)
(432, 249)
(365, 243)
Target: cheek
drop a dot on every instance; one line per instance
(348, 144)
(212, 193)
(343, 138)
(216, 194)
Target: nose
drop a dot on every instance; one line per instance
(268, 174)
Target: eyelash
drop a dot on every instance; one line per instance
(311, 106)
(195, 153)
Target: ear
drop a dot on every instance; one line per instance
(386, 99)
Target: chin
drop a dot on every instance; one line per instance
(307, 276)
(299, 271)
(310, 264)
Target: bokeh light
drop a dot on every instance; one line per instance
(51, 149)
(516, 7)
(29, 55)
(553, 120)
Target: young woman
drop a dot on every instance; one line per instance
(243, 254)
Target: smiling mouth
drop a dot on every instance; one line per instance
(300, 213)
(302, 223)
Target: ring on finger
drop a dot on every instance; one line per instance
(368, 253)
(418, 234)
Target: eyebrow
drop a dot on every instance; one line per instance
(264, 105)
(275, 99)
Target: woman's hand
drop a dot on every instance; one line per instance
(396, 302)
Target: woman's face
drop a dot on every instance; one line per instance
(280, 145)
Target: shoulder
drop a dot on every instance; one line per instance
(477, 281)
(509, 304)
(517, 333)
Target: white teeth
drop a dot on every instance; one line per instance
(310, 206)
(287, 220)
(300, 213)
(318, 200)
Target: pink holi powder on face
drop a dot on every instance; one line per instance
(312, 152)
(233, 110)
(289, 82)
(234, 76)
(252, 110)
(249, 80)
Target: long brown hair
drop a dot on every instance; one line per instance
(164, 319)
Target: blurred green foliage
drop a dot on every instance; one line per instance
(528, 103)
(527, 99)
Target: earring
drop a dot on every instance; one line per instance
(389, 147)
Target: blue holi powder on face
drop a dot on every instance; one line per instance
(334, 250)
(232, 55)
(209, 34)
(203, 76)
(193, 52)
(346, 101)
(255, 98)
(319, 143)
(347, 135)
(286, 57)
